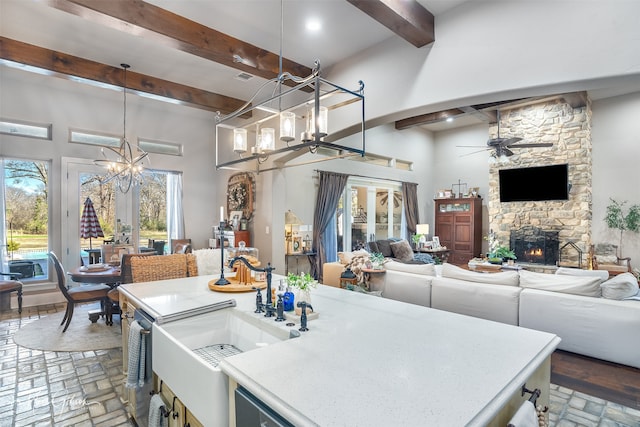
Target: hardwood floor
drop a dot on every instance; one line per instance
(606, 380)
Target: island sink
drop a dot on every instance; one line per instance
(186, 354)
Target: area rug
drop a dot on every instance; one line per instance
(82, 335)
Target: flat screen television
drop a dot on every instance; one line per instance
(534, 183)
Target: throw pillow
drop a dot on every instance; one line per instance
(621, 286)
(509, 278)
(384, 247)
(346, 257)
(402, 251)
(208, 261)
(373, 247)
(586, 286)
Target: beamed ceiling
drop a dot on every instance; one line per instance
(176, 53)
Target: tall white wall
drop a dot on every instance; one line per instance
(616, 167)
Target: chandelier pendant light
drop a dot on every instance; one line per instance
(307, 100)
(123, 166)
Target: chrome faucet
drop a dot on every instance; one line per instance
(268, 306)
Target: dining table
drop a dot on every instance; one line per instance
(94, 274)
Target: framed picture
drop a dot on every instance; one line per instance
(296, 245)
(448, 194)
(436, 242)
(241, 194)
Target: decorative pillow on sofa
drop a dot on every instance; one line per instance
(577, 285)
(402, 251)
(346, 257)
(425, 269)
(621, 286)
(384, 247)
(509, 278)
(208, 261)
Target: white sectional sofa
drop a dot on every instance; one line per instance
(569, 303)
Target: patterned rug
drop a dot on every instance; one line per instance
(82, 335)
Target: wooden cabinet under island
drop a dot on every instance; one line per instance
(459, 227)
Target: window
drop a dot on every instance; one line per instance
(20, 128)
(369, 210)
(25, 213)
(91, 138)
(160, 147)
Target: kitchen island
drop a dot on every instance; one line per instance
(371, 361)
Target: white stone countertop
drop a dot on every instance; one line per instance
(369, 361)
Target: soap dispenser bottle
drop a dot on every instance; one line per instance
(288, 300)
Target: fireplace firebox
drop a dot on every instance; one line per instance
(534, 245)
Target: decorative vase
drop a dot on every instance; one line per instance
(302, 295)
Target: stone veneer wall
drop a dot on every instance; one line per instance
(569, 130)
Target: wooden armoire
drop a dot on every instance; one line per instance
(458, 225)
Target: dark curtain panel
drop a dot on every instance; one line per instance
(410, 198)
(329, 192)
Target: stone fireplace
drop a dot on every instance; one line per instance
(534, 245)
(559, 222)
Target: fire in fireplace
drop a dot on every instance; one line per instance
(534, 245)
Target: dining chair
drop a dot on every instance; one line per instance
(148, 269)
(80, 294)
(125, 274)
(12, 285)
(178, 246)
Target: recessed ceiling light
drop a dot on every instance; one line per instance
(449, 119)
(313, 25)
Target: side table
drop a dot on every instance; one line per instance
(443, 254)
(367, 272)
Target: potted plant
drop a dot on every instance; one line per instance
(377, 260)
(617, 219)
(502, 254)
(416, 240)
(303, 283)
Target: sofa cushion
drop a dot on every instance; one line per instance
(621, 286)
(566, 271)
(346, 257)
(509, 278)
(425, 269)
(384, 247)
(402, 251)
(587, 286)
(497, 303)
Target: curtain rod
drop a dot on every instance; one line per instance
(367, 177)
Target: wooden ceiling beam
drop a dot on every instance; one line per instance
(72, 66)
(407, 18)
(427, 119)
(144, 19)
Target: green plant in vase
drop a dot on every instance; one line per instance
(617, 219)
(377, 260)
(502, 254)
(416, 239)
(303, 283)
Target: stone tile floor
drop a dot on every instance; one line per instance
(46, 388)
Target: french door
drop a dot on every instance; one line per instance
(369, 210)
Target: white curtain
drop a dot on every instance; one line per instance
(175, 215)
(4, 267)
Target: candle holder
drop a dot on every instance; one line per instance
(222, 281)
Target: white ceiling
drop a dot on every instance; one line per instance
(346, 31)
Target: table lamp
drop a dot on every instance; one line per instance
(423, 231)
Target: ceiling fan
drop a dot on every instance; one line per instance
(502, 146)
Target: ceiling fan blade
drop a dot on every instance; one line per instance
(507, 152)
(474, 152)
(532, 145)
(510, 141)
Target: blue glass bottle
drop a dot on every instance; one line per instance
(288, 300)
